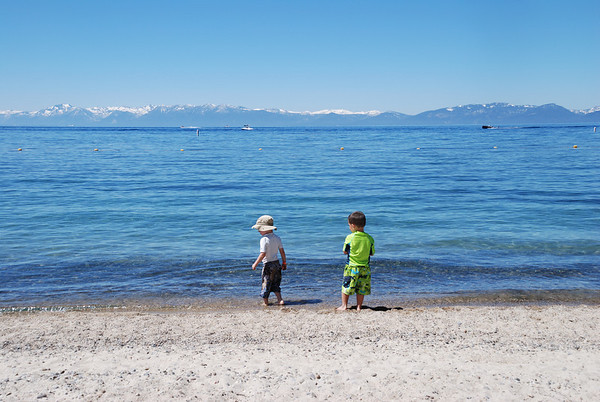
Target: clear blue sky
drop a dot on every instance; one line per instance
(406, 56)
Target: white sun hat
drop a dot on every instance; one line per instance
(264, 223)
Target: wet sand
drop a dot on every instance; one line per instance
(548, 352)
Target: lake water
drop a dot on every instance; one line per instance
(163, 215)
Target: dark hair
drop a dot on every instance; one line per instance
(358, 219)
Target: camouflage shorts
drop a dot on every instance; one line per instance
(271, 278)
(357, 280)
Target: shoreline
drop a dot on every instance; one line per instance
(548, 352)
(575, 297)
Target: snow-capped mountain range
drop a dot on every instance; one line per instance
(225, 115)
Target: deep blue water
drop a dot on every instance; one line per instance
(164, 215)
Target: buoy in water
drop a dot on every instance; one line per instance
(260, 149)
(20, 149)
(574, 146)
(96, 149)
(342, 148)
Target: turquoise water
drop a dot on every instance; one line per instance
(164, 214)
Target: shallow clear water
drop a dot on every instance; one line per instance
(453, 210)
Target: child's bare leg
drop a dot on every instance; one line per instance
(359, 301)
(279, 299)
(266, 301)
(344, 305)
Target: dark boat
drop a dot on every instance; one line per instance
(487, 127)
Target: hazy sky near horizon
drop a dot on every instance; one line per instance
(406, 56)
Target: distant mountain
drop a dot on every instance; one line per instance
(504, 113)
(222, 115)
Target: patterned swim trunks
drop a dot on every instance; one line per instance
(357, 280)
(271, 278)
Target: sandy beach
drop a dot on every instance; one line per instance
(435, 353)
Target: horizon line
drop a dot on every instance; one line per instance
(339, 111)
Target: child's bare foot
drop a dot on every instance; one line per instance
(281, 302)
(342, 308)
(358, 309)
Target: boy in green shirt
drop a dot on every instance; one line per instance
(359, 247)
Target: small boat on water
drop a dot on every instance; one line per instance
(247, 127)
(486, 127)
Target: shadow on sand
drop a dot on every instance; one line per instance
(378, 308)
(302, 302)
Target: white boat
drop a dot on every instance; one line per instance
(247, 127)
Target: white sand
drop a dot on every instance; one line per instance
(459, 353)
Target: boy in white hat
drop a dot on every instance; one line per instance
(270, 244)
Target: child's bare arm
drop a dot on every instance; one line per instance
(261, 256)
(283, 259)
